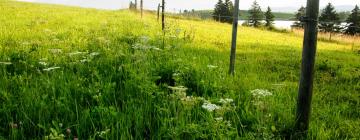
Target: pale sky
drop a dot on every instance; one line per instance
(176, 5)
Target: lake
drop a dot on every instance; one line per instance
(278, 24)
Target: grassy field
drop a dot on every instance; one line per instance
(94, 74)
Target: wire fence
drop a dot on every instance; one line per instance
(336, 23)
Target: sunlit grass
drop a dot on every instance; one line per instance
(68, 72)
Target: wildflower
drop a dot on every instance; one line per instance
(5, 63)
(68, 131)
(13, 125)
(178, 88)
(212, 66)
(278, 85)
(175, 74)
(260, 93)
(144, 39)
(218, 119)
(48, 30)
(60, 125)
(51, 68)
(85, 60)
(226, 101)
(43, 59)
(228, 123)
(94, 54)
(25, 43)
(178, 31)
(157, 49)
(43, 63)
(76, 53)
(180, 91)
(55, 51)
(103, 133)
(210, 107)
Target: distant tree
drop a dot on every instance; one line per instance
(255, 15)
(269, 18)
(132, 6)
(219, 11)
(344, 15)
(299, 14)
(229, 11)
(353, 22)
(223, 11)
(329, 20)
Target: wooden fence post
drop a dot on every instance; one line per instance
(307, 68)
(234, 37)
(141, 7)
(158, 12)
(163, 15)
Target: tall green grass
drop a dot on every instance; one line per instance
(93, 74)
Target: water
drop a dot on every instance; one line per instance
(278, 24)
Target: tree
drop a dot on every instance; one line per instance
(329, 20)
(132, 6)
(219, 11)
(255, 15)
(299, 14)
(269, 18)
(229, 11)
(223, 11)
(353, 22)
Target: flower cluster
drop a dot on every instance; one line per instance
(260, 93)
(226, 101)
(210, 107)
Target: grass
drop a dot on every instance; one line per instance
(68, 72)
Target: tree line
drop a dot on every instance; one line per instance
(329, 19)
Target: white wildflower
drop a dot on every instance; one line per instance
(278, 85)
(51, 68)
(180, 91)
(261, 93)
(5, 63)
(226, 101)
(47, 30)
(156, 49)
(210, 107)
(178, 88)
(175, 74)
(218, 119)
(55, 51)
(43, 59)
(212, 66)
(76, 53)
(144, 39)
(85, 60)
(228, 123)
(94, 54)
(25, 43)
(43, 63)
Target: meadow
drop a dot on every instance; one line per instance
(68, 73)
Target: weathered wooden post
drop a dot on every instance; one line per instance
(163, 15)
(141, 7)
(135, 4)
(307, 68)
(234, 37)
(158, 12)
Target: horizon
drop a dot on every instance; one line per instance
(176, 5)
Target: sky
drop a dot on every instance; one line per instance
(176, 5)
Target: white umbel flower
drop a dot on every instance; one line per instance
(210, 107)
